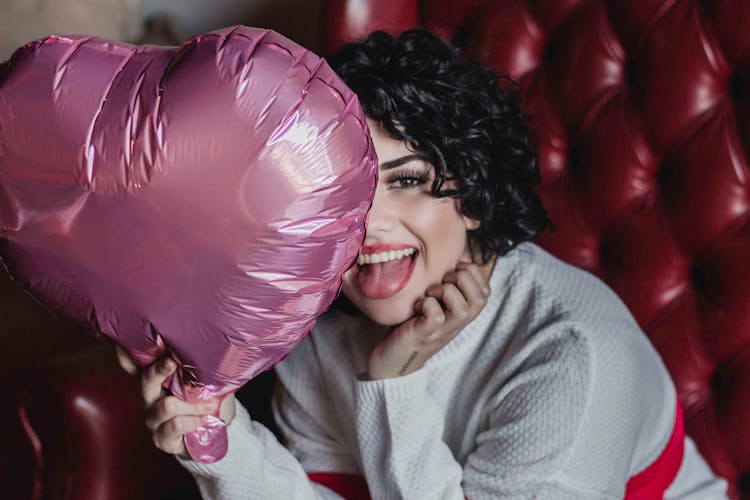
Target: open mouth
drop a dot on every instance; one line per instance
(383, 271)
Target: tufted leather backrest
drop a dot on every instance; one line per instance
(641, 113)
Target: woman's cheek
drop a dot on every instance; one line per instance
(347, 286)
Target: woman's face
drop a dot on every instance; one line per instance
(412, 239)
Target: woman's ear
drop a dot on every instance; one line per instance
(470, 224)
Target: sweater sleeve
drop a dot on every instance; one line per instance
(313, 461)
(256, 466)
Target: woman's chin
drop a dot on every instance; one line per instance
(389, 318)
(384, 312)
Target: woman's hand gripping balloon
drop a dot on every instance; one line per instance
(445, 310)
(168, 417)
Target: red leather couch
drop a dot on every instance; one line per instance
(640, 109)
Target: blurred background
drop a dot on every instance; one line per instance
(164, 22)
(641, 110)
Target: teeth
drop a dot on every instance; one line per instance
(377, 258)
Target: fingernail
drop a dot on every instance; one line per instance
(166, 364)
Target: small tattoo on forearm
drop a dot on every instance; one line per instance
(409, 361)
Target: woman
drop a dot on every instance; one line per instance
(462, 361)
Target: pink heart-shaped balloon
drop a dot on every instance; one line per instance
(202, 201)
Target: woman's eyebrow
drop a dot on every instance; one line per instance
(387, 165)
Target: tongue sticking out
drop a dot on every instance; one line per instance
(378, 281)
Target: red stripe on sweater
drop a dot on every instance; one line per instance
(649, 484)
(349, 486)
(653, 481)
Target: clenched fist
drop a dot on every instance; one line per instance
(168, 417)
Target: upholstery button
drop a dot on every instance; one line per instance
(718, 383)
(574, 160)
(631, 72)
(605, 252)
(699, 279)
(743, 482)
(736, 86)
(549, 53)
(664, 176)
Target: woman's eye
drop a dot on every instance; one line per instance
(407, 180)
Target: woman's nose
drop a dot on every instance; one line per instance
(380, 218)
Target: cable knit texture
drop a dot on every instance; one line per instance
(551, 392)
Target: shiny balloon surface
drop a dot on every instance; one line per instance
(200, 201)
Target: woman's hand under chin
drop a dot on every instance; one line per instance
(446, 309)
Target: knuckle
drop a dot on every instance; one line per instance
(431, 341)
(178, 425)
(147, 403)
(464, 279)
(126, 366)
(172, 449)
(432, 302)
(450, 276)
(163, 367)
(423, 338)
(169, 405)
(418, 336)
(429, 306)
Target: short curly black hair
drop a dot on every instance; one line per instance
(466, 122)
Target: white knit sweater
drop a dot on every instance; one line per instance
(551, 392)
